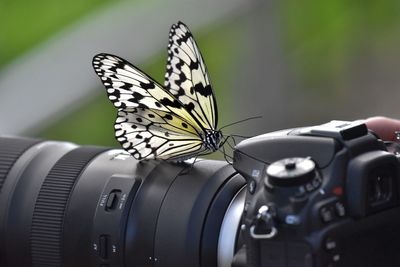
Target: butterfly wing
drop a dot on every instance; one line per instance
(187, 77)
(149, 134)
(151, 122)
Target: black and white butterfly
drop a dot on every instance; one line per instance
(174, 121)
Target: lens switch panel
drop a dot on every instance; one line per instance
(108, 226)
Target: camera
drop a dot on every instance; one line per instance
(326, 195)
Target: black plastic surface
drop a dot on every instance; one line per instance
(110, 222)
(10, 150)
(59, 207)
(185, 209)
(345, 130)
(48, 215)
(143, 215)
(358, 174)
(354, 206)
(212, 224)
(272, 148)
(17, 200)
(86, 220)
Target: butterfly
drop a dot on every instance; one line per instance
(176, 121)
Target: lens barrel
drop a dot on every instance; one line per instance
(65, 205)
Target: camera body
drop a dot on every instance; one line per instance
(326, 195)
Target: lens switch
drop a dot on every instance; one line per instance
(113, 199)
(103, 241)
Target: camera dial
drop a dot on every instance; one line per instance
(291, 172)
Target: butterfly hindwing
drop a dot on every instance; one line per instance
(155, 134)
(187, 77)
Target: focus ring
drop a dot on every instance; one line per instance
(50, 206)
(10, 150)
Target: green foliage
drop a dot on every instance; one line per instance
(91, 123)
(321, 38)
(26, 23)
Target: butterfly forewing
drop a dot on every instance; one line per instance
(187, 77)
(128, 87)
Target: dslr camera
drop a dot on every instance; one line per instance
(326, 195)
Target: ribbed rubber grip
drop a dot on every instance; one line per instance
(48, 216)
(10, 150)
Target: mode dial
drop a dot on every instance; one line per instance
(291, 172)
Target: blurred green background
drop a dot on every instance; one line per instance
(295, 63)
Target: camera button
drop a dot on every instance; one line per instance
(335, 261)
(252, 186)
(326, 214)
(309, 187)
(292, 219)
(103, 241)
(330, 244)
(336, 258)
(340, 210)
(301, 192)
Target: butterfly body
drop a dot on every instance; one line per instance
(175, 121)
(212, 139)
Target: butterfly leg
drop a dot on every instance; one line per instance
(234, 142)
(188, 168)
(227, 158)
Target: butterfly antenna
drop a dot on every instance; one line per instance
(241, 136)
(247, 119)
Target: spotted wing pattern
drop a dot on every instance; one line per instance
(177, 121)
(149, 134)
(187, 79)
(151, 122)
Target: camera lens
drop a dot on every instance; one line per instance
(65, 205)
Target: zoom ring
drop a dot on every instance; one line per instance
(48, 215)
(10, 150)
